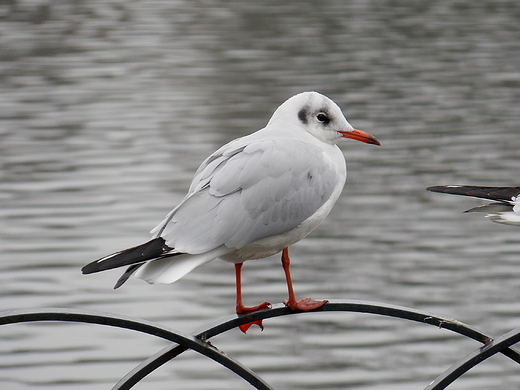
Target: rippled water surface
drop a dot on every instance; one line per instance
(107, 108)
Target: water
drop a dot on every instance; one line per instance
(107, 108)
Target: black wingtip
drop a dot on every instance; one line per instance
(501, 194)
(148, 251)
(441, 189)
(90, 268)
(129, 271)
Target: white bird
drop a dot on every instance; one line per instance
(505, 208)
(251, 199)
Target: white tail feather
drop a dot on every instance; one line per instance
(171, 269)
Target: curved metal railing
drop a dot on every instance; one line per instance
(199, 343)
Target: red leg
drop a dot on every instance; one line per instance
(306, 304)
(240, 308)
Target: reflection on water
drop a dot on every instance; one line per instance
(107, 109)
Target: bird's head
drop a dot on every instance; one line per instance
(319, 116)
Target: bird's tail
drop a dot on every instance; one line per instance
(170, 269)
(153, 261)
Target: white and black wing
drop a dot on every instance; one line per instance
(505, 207)
(500, 194)
(243, 193)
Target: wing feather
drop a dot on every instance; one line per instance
(502, 194)
(243, 194)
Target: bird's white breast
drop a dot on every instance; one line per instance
(333, 158)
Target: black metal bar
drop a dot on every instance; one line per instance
(108, 319)
(474, 358)
(148, 366)
(198, 344)
(169, 353)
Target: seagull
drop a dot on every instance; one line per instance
(504, 209)
(252, 198)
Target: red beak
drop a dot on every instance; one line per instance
(359, 135)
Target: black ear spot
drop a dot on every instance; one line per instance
(302, 115)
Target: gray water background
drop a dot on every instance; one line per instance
(108, 107)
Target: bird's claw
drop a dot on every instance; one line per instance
(305, 304)
(245, 327)
(247, 310)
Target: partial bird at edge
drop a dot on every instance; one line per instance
(504, 209)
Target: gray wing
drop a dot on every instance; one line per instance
(243, 193)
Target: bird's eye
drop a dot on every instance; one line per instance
(322, 118)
